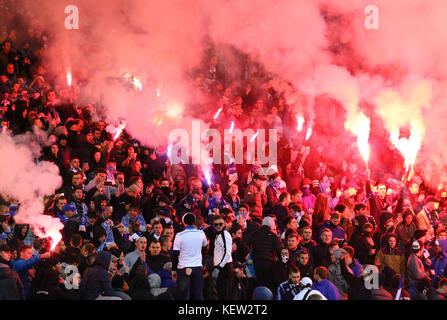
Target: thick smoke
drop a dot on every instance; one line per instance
(27, 182)
(316, 47)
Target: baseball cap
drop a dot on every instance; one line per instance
(415, 245)
(68, 207)
(306, 281)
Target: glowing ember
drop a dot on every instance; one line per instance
(308, 133)
(408, 147)
(55, 239)
(217, 113)
(300, 121)
(232, 126)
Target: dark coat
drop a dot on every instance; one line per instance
(265, 245)
(11, 287)
(320, 255)
(98, 280)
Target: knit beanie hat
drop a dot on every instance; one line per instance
(269, 221)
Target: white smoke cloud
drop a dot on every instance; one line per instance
(24, 180)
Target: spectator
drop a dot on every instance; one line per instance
(187, 258)
(98, 284)
(24, 264)
(327, 288)
(266, 247)
(11, 287)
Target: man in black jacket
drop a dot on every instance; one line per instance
(320, 253)
(11, 287)
(266, 248)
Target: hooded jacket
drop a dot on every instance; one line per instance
(11, 287)
(98, 280)
(390, 257)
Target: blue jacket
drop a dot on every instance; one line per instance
(327, 289)
(285, 291)
(439, 263)
(22, 267)
(98, 280)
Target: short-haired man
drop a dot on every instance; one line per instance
(288, 289)
(322, 284)
(26, 262)
(304, 265)
(222, 258)
(140, 250)
(320, 253)
(338, 234)
(187, 258)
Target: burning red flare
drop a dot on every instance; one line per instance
(55, 239)
(300, 121)
(69, 78)
(217, 113)
(408, 147)
(308, 133)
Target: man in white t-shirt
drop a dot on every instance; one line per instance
(187, 258)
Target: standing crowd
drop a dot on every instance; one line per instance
(137, 227)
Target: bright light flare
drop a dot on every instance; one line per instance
(308, 133)
(207, 175)
(56, 237)
(119, 130)
(169, 151)
(300, 121)
(360, 127)
(217, 113)
(174, 110)
(232, 127)
(69, 79)
(408, 147)
(254, 137)
(137, 83)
